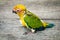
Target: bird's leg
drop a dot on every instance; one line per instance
(32, 30)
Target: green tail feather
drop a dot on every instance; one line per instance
(50, 25)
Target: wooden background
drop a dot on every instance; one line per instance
(11, 28)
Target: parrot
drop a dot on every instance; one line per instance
(29, 19)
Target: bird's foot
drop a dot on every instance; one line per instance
(27, 33)
(33, 31)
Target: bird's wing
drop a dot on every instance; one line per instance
(32, 20)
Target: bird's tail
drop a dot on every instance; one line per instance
(50, 25)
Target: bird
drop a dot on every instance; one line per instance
(29, 19)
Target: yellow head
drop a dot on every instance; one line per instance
(19, 8)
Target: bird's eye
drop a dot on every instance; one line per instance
(18, 9)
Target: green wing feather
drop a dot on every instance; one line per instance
(32, 20)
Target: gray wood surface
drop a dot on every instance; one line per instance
(11, 28)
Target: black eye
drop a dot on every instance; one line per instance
(18, 10)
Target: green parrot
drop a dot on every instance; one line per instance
(30, 20)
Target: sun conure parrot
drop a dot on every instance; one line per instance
(30, 20)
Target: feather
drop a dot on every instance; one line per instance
(50, 25)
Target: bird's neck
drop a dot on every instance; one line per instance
(21, 14)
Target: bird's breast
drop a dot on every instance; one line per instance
(23, 22)
(21, 16)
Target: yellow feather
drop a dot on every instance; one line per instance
(19, 6)
(21, 15)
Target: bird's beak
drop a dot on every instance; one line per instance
(14, 11)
